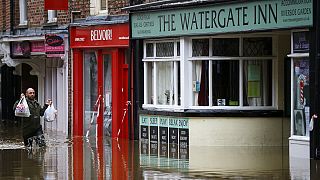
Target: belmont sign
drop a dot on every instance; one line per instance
(101, 35)
(114, 35)
(259, 15)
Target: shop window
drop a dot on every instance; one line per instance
(216, 78)
(23, 12)
(301, 94)
(161, 73)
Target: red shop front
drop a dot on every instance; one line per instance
(100, 79)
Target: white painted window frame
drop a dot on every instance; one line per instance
(186, 60)
(52, 16)
(23, 12)
(175, 59)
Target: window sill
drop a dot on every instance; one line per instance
(299, 138)
(212, 112)
(49, 24)
(22, 26)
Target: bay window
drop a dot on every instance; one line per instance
(218, 72)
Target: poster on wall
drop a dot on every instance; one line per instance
(144, 134)
(54, 45)
(163, 128)
(154, 135)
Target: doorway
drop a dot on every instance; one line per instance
(105, 92)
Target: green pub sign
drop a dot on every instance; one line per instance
(258, 15)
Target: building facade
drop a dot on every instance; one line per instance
(231, 73)
(34, 46)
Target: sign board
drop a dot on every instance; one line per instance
(56, 5)
(116, 35)
(301, 42)
(23, 49)
(54, 45)
(219, 18)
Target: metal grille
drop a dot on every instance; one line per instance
(164, 49)
(200, 47)
(257, 46)
(225, 47)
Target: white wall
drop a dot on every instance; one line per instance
(235, 131)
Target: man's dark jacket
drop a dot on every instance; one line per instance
(32, 123)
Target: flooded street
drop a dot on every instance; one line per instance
(83, 158)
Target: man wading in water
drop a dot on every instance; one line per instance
(32, 130)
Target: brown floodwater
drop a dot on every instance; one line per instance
(91, 158)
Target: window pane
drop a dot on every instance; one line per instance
(90, 72)
(164, 49)
(178, 48)
(149, 50)
(200, 47)
(257, 82)
(257, 46)
(165, 83)
(149, 82)
(301, 94)
(225, 47)
(200, 83)
(225, 83)
(103, 5)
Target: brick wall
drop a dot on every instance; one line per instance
(114, 6)
(7, 14)
(36, 13)
(2, 17)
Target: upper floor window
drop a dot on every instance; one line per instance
(23, 12)
(98, 7)
(52, 16)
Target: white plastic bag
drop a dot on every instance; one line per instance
(50, 114)
(22, 109)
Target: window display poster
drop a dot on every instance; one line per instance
(254, 76)
(299, 123)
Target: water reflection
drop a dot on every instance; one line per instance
(82, 158)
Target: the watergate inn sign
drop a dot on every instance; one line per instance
(259, 15)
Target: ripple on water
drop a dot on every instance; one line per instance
(8, 144)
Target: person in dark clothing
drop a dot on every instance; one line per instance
(31, 127)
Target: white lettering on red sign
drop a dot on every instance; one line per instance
(79, 39)
(101, 35)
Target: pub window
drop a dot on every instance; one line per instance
(232, 72)
(161, 73)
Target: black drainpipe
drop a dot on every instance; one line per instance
(12, 17)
